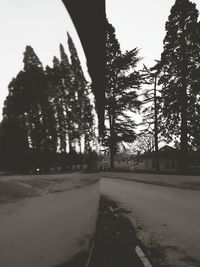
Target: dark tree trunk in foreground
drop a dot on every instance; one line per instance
(112, 142)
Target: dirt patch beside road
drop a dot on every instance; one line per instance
(16, 187)
(115, 239)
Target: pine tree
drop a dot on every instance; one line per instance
(122, 81)
(180, 60)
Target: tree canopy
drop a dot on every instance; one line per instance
(49, 109)
(180, 62)
(122, 82)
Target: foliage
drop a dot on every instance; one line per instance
(122, 81)
(180, 63)
(151, 106)
(144, 142)
(49, 111)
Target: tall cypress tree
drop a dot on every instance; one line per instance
(28, 101)
(56, 83)
(23, 105)
(14, 143)
(68, 96)
(82, 107)
(78, 87)
(180, 60)
(35, 88)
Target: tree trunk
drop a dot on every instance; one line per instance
(183, 159)
(156, 124)
(184, 124)
(112, 143)
(184, 104)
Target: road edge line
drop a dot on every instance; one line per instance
(142, 257)
(90, 255)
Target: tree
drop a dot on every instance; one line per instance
(151, 107)
(28, 104)
(144, 142)
(72, 105)
(31, 88)
(180, 61)
(122, 82)
(56, 85)
(81, 107)
(34, 83)
(65, 88)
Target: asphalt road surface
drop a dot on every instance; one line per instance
(167, 219)
(46, 220)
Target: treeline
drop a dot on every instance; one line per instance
(48, 115)
(179, 76)
(176, 105)
(169, 91)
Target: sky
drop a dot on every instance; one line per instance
(43, 25)
(40, 23)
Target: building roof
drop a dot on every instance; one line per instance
(168, 152)
(167, 148)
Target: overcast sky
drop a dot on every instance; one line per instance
(39, 23)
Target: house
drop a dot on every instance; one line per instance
(168, 159)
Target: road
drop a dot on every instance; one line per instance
(167, 218)
(45, 220)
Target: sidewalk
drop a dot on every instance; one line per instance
(170, 180)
